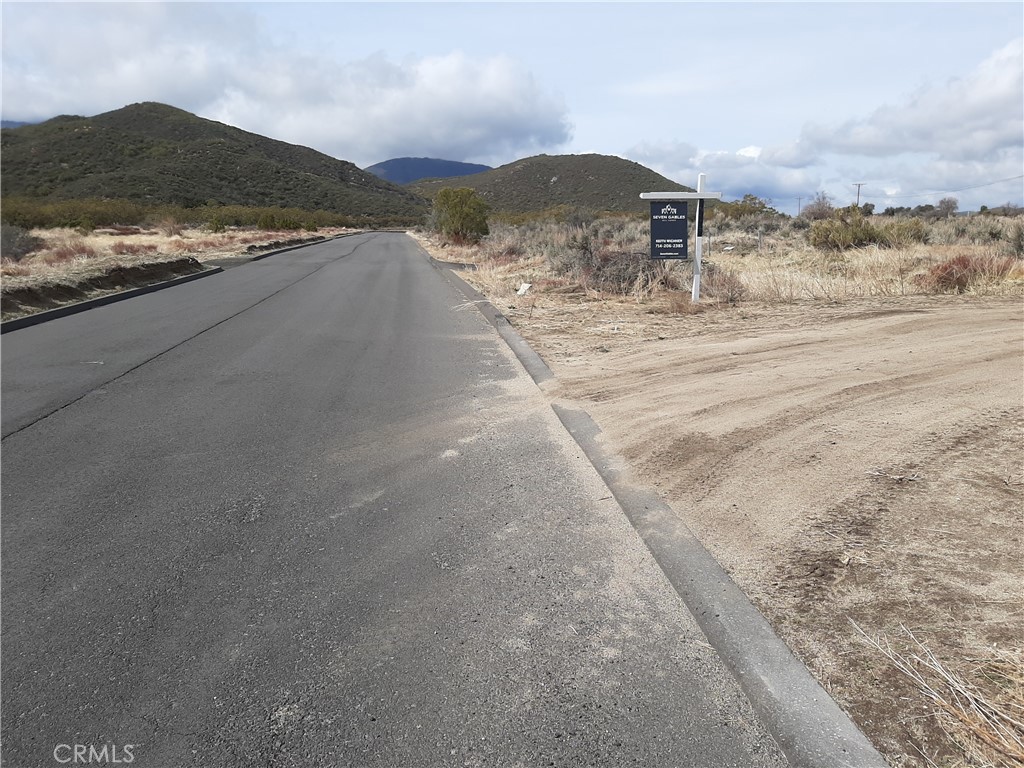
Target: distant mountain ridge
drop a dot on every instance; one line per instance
(404, 170)
(598, 182)
(154, 153)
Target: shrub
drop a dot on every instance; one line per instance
(1016, 239)
(170, 227)
(70, 249)
(903, 232)
(16, 242)
(959, 273)
(460, 215)
(132, 249)
(849, 228)
(721, 284)
(819, 208)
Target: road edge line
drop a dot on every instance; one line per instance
(810, 727)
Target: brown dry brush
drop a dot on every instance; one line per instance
(959, 273)
(983, 716)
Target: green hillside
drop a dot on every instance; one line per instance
(598, 182)
(151, 153)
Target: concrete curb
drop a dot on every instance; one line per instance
(82, 306)
(315, 242)
(531, 361)
(809, 726)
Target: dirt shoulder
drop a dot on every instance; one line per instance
(847, 463)
(857, 463)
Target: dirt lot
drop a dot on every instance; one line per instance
(847, 463)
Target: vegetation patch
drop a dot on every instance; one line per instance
(152, 154)
(39, 297)
(754, 254)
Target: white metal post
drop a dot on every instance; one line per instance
(698, 240)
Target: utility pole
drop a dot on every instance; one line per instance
(798, 205)
(858, 185)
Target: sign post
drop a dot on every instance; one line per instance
(668, 226)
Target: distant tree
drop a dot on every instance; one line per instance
(947, 207)
(460, 214)
(899, 210)
(819, 208)
(867, 209)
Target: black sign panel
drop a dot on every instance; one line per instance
(668, 230)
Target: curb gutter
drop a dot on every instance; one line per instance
(531, 361)
(809, 726)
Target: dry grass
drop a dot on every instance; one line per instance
(67, 256)
(608, 256)
(980, 709)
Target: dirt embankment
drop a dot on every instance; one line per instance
(71, 269)
(27, 300)
(846, 463)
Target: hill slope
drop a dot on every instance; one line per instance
(599, 182)
(403, 170)
(153, 153)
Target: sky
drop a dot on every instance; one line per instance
(913, 101)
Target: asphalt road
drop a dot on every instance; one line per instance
(311, 511)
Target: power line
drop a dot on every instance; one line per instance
(951, 191)
(920, 194)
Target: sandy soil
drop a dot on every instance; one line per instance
(857, 462)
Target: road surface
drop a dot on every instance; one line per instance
(310, 512)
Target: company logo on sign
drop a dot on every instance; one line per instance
(668, 209)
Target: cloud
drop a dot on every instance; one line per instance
(221, 63)
(450, 106)
(944, 139)
(969, 118)
(735, 174)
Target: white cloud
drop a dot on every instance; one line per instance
(735, 174)
(964, 119)
(450, 106)
(218, 62)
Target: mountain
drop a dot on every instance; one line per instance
(598, 182)
(154, 153)
(12, 124)
(403, 170)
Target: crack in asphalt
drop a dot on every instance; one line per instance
(148, 360)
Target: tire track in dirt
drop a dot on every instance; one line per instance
(861, 462)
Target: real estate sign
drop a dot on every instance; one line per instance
(668, 230)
